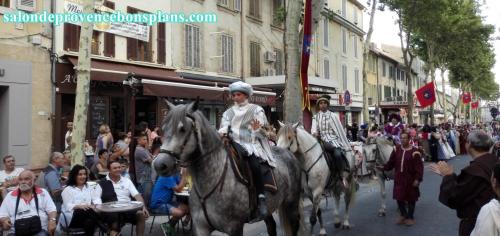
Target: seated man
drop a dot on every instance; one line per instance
(163, 201)
(116, 188)
(34, 215)
(52, 177)
(8, 177)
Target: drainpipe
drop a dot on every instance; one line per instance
(53, 59)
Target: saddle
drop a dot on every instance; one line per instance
(239, 159)
(243, 172)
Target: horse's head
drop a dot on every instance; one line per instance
(287, 137)
(188, 138)
(370, 150)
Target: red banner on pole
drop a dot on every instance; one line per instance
(306, 52)
(466, 97)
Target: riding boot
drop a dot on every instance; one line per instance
(259, 186)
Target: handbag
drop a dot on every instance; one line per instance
(30, 225)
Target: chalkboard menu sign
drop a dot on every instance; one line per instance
(98, 110)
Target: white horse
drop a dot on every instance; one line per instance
(377, 152)
(317, 174)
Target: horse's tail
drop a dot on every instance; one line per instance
(288, 223)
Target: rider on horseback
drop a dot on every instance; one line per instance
(245, 121)
(327, 126)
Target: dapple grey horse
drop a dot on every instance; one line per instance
(377, 152)
(317, 173)
(218, 200)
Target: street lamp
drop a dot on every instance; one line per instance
(133, 84)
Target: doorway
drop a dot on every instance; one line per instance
(4, 121)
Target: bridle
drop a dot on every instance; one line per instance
(306, 171)
(197, 151)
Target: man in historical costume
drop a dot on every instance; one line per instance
(394, 128)
(243, 122)
(469, 191)
(326, 125)
(406, 160)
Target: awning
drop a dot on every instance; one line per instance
(213, 93)
(181, 90)
(117, 72)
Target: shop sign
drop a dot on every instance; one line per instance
(126, 29)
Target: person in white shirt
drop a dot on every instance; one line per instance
(8, 177)
(243, 124)
(117, 188)
(488, 220)
(79, 203)
(69, 133)
(36, 205)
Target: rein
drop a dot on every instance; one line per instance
(206, 196)
(309, 149)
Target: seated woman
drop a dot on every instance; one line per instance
(488, 220)
(78, 203)
(99, 169)
(163, 201)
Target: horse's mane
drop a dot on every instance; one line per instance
(286, 130)
(178, 114)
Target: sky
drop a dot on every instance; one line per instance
(386, 30)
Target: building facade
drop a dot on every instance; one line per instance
(25, 86)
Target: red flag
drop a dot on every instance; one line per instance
(466, 98)
(474, 105)
(426, 95)
(306, 52)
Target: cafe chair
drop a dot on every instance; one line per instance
(64, 226)
(154, 215)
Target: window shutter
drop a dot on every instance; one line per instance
(196, 41)
(160, 52)
(187, 46)
(131, 49)
(71, 37)
(237, 5)
(109, 39)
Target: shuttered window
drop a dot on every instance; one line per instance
(254, 59)
(226, 45)
(109, 39)
(254, 8)
(5, 3)
(71, 37)
(344, 77)
(344, 41)
(325, 32)
(95, 43)
(192, 46)
(326, 69)
(161, 48)
(356, 81)
(139, 50)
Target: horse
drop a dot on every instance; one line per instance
(317, 174)
(219, 201)
(377, 151)
(314, 166)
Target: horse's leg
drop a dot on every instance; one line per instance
(316, 200)
(199, 230)
(381, 182)
(336, 207)
(322, 231)
(349, 195)
(271, 225)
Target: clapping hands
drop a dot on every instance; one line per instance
(442, 168)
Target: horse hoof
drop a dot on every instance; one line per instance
(381, 214)
(346, 227)
(337, 225)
